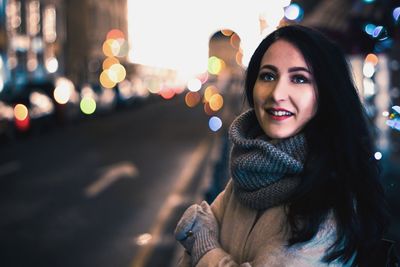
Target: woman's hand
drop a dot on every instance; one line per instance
(198, 231)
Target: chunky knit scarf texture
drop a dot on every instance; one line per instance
(265, 172)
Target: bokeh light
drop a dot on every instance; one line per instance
(215, 123)
(115, 45)
(194, 85)
(41, 104)
(123, 48)
(216, 102)
(368, 69)
(52, 64)
(143, 239)
(378, 155)
(203, 77)
(62, 94)
(115, 34)
(368, 1)
(385, 113)
(226, 32)
(105, 80)
(20, 112)
(32, 64)
(235, 41)
(394, 124)
(380, 33)
(192, 99)
(116, 73)
(88, 105)
(208, 110)
(396, 14)
(209, 92)
(215, 65)
(111, 47)
(154, 86)
(167, 93)
(394, 118)
(369, 28)
(372, 58)
(108, 62)
(293, 12)
(369, 87)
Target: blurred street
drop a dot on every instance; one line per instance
(84, 194)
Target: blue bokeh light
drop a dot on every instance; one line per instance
(369, 28)
(396, 14)
(215, 123)
(380, 33)
(294, 12)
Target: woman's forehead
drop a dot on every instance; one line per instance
(284, 53)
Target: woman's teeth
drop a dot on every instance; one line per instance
(279, 113)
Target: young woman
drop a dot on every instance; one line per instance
(305, 187)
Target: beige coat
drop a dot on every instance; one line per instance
(250, 242)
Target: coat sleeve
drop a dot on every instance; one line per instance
(218, 208)
(276, 254)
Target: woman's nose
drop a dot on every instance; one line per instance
(279, 92)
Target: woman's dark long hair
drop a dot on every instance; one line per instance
(340, 173)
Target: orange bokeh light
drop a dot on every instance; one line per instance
(106, 81)
(20, 112)
(235, 41)
(108, 62)
(216, 102)
(208, 110)
(226, 32)
(372, 58)
(167, 93)
(111, 47)
(192, 99)
(209, 92)
(115, 34)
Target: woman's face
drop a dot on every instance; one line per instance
(284, 93)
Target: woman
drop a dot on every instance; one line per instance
(304, 188)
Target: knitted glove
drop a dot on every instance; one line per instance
(198, 231)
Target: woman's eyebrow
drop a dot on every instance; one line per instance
(293, 69)
(271, 67)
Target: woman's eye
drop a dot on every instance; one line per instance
(267, 76)
(300, 79)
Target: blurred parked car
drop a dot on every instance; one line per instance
(37, 105)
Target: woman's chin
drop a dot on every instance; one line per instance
(278, 134)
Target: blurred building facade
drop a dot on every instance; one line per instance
(32, 41)
(88, 22)
(43, 39)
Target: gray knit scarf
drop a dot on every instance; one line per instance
(264, 174)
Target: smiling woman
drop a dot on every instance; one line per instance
(305, 188)
(284, 92)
